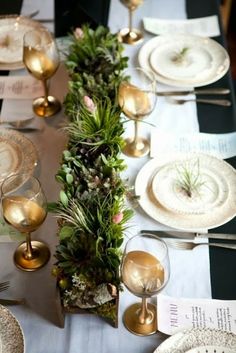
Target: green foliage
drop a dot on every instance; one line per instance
(95, 65)
(91, 212)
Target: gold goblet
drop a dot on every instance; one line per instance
(130, 35)
(41, 58)
(145, 271)
(137, 98)
(24, 207)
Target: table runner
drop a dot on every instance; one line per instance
(39, 316)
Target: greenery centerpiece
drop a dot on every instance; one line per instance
(91, 210)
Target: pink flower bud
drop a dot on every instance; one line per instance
(89, 104)
(78, 33)
(117, 218)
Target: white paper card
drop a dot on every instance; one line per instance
(204, 26)
(175, 314)
(20, 87)
(219, 145)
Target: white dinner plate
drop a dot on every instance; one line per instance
(11, 335)
(17, 154)
(206, 60)
(211, 218)
(186, 341)
(212, 189)
(12, 30)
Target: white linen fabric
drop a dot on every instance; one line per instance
(39, 318)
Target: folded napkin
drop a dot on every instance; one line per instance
(204, 26)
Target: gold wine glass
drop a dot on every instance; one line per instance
(130, 35)
(145, 271)
(41, 58)
(24, 207)
(137, 98)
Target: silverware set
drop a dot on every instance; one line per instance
(220, 102)
(190, 245)
(4, 286)
(203, 91)
(189, 240)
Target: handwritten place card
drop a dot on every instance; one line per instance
(175, 314)
(20, 87)
(219, 145)
(204, 26)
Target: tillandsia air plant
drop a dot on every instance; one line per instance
(91, 211)
(180, 56)
(190, 179)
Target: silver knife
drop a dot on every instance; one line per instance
(195, 91)
(12, 301)
(190, 235)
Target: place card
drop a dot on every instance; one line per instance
(20, 87)
(176, 314)
(9, 234)
(205, 26)
(219, 145)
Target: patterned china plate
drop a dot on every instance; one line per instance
(12, 30)
(17, 154)
(205, 61)
(11, 335)
(211, 217)
(196, 340)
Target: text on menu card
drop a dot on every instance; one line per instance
(175, 314)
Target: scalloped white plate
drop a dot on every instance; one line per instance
(209, 67)
(210, 219)
(11, 334)
(191, 340)
(212, 192)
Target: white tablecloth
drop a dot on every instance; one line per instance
(39, 316)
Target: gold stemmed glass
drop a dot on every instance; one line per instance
(24, 207)
(137, 98)
(145, 271)
(41, 58)
(131, 35)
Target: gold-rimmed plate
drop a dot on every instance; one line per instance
(185, 341)
(211, 218)
(11, 334)
(12, 30)
(17, 154)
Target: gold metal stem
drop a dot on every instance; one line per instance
(136, 129)
(29, 250)
(45, 87)
(130, 19)
(145, 315)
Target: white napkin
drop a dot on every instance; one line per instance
(204, 26)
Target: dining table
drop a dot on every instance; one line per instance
(209, 273)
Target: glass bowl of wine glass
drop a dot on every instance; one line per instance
(145, 271)
(24, 207)
(41, 58)
(137, 99)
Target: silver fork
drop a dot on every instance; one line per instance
(17, 123)
(221, 102)
(4, 286)
(189, 245)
